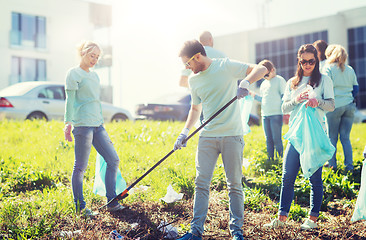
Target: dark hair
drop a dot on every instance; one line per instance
(268, 64)
(191, 48)
(315, 75)
(321, 45)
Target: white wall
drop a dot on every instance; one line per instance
(67, 23)
(241, 46)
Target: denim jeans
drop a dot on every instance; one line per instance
(231, 149)
(291, 165)
(272, 126)
(85, 137)
(340, 123)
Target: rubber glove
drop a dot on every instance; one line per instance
(242, 89)
(302, 97)
(179, 142)
(313, 102)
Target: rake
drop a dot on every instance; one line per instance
(124, 194)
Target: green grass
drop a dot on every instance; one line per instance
(36, 165)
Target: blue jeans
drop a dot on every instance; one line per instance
(85, 137)
(231, 149)
(291, 165)
(340, 123)
(272, 126)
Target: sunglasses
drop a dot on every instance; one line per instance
(267, 75)
(310, 62)
(187, 63)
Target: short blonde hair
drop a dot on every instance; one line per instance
(337, 54)
(87, 47)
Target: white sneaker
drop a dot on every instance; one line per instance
(276, 223)
(308, 224)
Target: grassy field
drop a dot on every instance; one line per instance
(36, 199)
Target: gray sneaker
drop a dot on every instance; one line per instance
(116, 208)
(88, 213)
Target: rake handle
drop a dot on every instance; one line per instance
(124, 194)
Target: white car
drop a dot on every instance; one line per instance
(360, 116)
(45, 100)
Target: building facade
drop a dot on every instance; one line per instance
(39, 39)
(280, 44)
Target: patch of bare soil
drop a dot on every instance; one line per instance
(148, 216)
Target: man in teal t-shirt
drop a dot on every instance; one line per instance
(213, 85)
(206, 40)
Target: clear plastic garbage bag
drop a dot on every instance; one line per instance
(245, 108)
(171, 195)
(360, 207)
(99, 180)
(307, 136)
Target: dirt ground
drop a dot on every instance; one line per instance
(148, 216)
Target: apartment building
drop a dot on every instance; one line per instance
(39, 39)
(280, 44)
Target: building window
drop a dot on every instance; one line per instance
(357, 59)
(27, 69)
(283, 52)
(28, 30)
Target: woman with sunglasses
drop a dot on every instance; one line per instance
(315, 90)
(271, 91)
(345, 89)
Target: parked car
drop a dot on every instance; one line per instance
(173, 107)
(360, 116)
(45, 100)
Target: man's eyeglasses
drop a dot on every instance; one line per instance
(267, 75)
(310, 62)
(187, 63)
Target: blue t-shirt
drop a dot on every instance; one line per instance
(323, 91)
(83, 107)
(215, 87)
(343, 83)
(271, 92)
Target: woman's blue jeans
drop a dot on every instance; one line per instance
(85, 137)
(291, 165)
(340, 123)
(272, 126)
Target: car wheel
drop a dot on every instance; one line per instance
(119, 118)
(37, 116)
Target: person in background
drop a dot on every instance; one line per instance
(271, 92)
(345, 89)
(322, 99)
(83, 113)
(206, 40)
(321, 46)
(213, 85)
